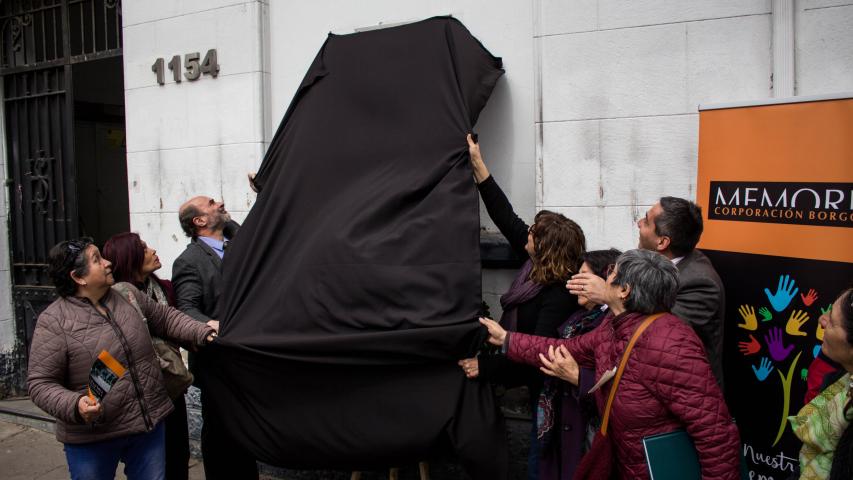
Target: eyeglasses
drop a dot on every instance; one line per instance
(73, 249)
(610, 269)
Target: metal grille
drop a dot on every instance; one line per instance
(39, 42)
(44, 33)
(38, 131)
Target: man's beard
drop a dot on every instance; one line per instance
(218, 220)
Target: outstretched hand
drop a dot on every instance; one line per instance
(481, 173)
(497, 335)
(560, 363)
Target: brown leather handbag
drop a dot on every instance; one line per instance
(176, 378)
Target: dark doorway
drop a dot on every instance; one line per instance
(99, 148)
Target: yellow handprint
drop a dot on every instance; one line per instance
(795, 321)
(748, 314)
(819, 332)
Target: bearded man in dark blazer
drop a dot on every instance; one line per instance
(197, 279)
(672, 227)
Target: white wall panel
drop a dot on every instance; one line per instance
(4, 251)
(208, 112)
(729, 60)
(643, 159)
(561, 16)
(631, 13)
(615, 73)
(188, 172)
(237, 161)
(824, 49)
(571, 163)
(143, 181)
(142, 11)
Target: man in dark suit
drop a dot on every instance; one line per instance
(672, 227)
(197, 279)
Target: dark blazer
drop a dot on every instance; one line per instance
(197, 278)
(701, 302)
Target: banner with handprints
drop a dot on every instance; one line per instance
(772, 335)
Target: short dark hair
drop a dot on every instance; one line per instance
(681, 221)
(127, 254)
(186, 216)
(63, 259)
(599, 260)
(652, 277)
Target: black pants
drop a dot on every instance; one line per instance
(177, 442)
(223, 458)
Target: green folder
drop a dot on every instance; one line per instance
(672, 456)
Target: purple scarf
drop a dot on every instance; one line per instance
(521, 290)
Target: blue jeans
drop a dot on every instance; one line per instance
(143, 455)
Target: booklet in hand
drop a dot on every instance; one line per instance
(104, 374)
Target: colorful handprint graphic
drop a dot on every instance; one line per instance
(785, 292)
(809, 298)
(776, 345)
(748, 314)
(766, 316)
(749, 348)
(761, 373)
(795, 322)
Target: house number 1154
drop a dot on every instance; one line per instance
(193, 68)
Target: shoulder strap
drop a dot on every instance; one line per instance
(122, 289)
(643, 326)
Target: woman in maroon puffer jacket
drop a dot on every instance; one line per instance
(667, 383)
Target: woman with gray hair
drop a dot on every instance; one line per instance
(666, 383)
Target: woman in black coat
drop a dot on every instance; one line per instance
(537, 302)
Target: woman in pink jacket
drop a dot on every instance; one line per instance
(667, 383)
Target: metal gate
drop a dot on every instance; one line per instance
(39, 43)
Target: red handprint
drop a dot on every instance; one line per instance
(751, 347)
(810, 298)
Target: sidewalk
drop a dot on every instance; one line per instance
(28, 453)
(29, 450)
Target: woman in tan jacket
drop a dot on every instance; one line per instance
(87, 319)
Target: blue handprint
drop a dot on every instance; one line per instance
(784, 293)
(816, 350)
(764, 370)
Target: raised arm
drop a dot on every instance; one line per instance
(172, 324)
(497, 205)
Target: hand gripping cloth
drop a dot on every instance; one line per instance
(353, 286)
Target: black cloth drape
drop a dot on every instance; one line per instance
(353, 286)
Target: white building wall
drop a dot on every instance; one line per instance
(192, 138)
(7, 317)
(824, 46)
(621, 82)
